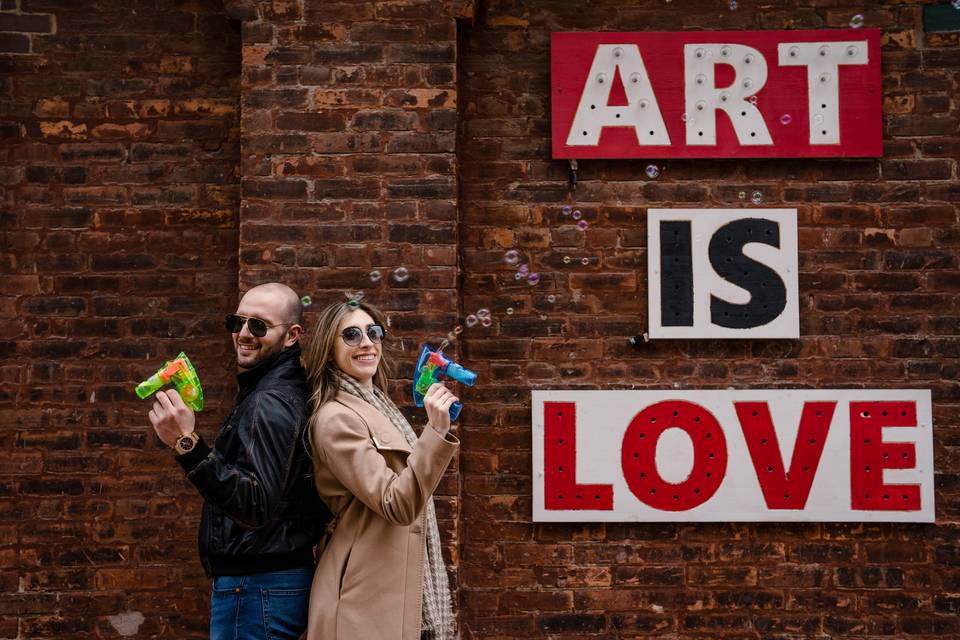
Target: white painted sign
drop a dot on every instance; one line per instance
(797, 455)
(723, 273)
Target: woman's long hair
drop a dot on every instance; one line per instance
(318, 356)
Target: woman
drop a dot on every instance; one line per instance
(381, 574)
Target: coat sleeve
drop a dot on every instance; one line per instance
(345, 447)
(249, 489)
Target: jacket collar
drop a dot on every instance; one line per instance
(274, 366)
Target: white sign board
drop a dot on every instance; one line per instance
(723, 273)
(799, 455)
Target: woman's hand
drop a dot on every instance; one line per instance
(437, 402)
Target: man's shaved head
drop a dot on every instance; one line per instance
(287, 301)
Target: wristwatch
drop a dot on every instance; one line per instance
(186, 443)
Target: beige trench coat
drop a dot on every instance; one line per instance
(369, 579)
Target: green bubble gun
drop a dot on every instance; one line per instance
(181, 373)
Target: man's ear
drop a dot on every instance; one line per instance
(293, 335)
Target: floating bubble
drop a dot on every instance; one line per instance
(753, 100)
(756, 197)
(566, 209)
(566, 259)
(512, 256)
(306, 301)
(653, 171)
(471, 320)
(786, 119)
(733, 5)
(445, 343)
(523, 269)
(375, 276)
(457, 330)
(517, 275)
(956, 4)
(577, 214)
(483, 313)
(686, 118)
(400, 274)
(582, 225)
(533, 278)
(742, 195)
(509, 311)
(486, 322)
(856, 21)
(551, 298)
(584, 261)
(450, 337)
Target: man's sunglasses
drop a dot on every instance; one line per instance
(353, 336)
(258, 328)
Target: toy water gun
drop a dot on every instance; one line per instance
(181, 373)
(430, 365)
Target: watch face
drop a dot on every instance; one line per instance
(185, 443)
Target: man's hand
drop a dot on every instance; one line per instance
(171, 418)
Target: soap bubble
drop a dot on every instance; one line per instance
(457, 330)
(753, 100)
(786, 119)
(400, 274)
(509, 311)
(566, 209)
(577, 214)
(566, 259)
(306, 301)
(856, 21)
(517, 275)
(733, 5)
(533, 278)
(512, 256)
(375, 276)
(486, 322)
(483, 313)
(524, 269)
(742, 195)
(551, 298)
(584, 261)
(471, 320)
(686, 118)
(756, 197)
(956, 4)
(582, 225)
(653, 171)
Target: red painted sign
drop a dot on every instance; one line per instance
(722, 94)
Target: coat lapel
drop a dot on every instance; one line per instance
(385, 436)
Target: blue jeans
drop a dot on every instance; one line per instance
(263, 606)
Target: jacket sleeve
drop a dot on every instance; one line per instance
(249, 490)
(345, 447)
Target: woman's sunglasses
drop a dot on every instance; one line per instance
(353, 336)
(258, 328)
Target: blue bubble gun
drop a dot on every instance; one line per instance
(430, 365)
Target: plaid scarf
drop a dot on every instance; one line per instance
(437, 612)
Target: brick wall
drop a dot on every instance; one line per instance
(878, 283)
(119, 183)
(378, 135)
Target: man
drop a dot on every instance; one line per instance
(261, 516)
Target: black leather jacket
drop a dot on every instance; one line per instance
(260, 510)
